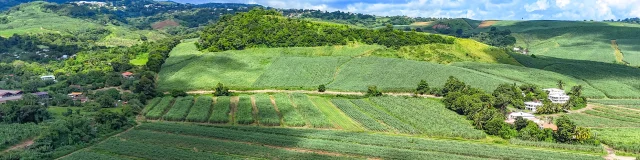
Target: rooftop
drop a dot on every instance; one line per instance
(127, 74)
(533, 103)
(521, 114)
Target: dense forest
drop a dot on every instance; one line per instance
(267, 28)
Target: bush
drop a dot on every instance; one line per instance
(221, 90)
(178, 93)
(423, 87)
(373, 91)
(322, 88)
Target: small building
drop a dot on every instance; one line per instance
(554, 91)
(514, 115)
(41, 95)
(532, 106)
(49, 77)
(559, 98)
(75, 95)
(127, 75)
(516, 49)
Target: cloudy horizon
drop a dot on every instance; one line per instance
(474, 9)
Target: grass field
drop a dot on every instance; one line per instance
(339, 67)
(11, 134)
(575, 40)
(31, 18)
(180, 109)
(201, 109)
(599, 121)
(626, 139)
(267, 114)
(140, 60)
(310, 112)
(160, 108)
(356, 114)
(290, 115)
(185, 141)
(334, 114)
(221, 110)
(430, 117)
(384, 117)
(244, 111)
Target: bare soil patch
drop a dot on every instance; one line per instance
(486, 24)
(165, 23)
(22, 145)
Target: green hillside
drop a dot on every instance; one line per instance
(576, 39)
(33, 18)
(348, 68)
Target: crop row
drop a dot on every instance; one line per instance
(575, 147)
(290, 115)
(619, 112)
(154, 152)
(221, 110)
(385, 117)
(612, 116)
(626, 139)
(307, 143)
(85, 155)
(358, 143)
(616, 101)
(180, 109)
(266, 112)
(160, 108)
(586, 120)
(244, 110)
(217, 146)
(200, 110)
(430, 117)
(310, 112)
(352, 111)
(334, 115)
(152, 103)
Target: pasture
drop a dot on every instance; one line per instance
(626, 139)
(185, 141)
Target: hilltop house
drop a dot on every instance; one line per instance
(127, 75)
(532, 106)
(557, 95)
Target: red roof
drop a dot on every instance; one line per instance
(127, 74)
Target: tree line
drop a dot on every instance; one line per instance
(267, 28)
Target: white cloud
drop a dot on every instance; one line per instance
(538, 5)
(562, 3)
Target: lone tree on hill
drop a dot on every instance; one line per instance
(423, 87)
(221, 90)
(373, 91)
(561, 84)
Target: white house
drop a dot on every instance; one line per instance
(557, 95)
(514, 115)
(49, 77)
(559, 98)
(532, 106)
(554, 91)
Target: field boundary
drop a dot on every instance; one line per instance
(397, 94)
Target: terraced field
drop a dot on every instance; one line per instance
(184, 141)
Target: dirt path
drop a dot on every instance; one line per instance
(589, 107)
(21, 145)
(313, 92)
(611, 155)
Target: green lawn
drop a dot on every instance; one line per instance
(140, 60)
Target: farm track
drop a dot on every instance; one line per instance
(313, 92)
(611, 155)
(21, 145)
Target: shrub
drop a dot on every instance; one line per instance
(322, 88)
(373, 91)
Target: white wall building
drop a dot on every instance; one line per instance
(554, 91)
(49, 77)
(557, 95)
(532, 106)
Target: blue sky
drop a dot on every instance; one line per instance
(475, 9)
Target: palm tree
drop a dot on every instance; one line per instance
(576, 90)
(561, 84)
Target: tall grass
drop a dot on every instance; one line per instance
(201, 109)
(244, 111)
(290, 115)
(160, 108)
(352, 111)
(310, 112)
(221, 110)
(180, 109)
(267, 114)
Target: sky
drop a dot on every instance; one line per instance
(474, 9)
